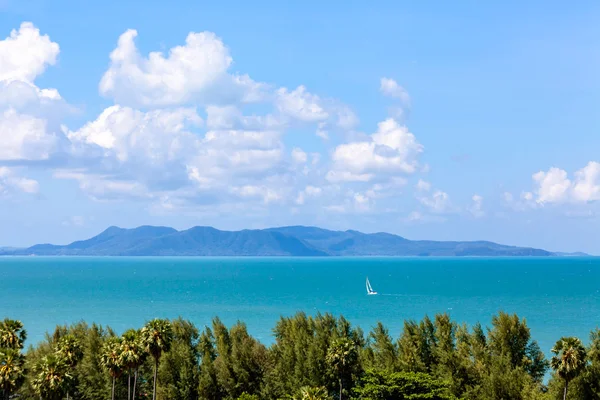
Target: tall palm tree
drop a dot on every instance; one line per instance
(12, 334)
(569, 359)
(341, 356)
(111, 360)
(70, 351)
(157, 336)
(132, 356)
(52, 378)
(12, 371)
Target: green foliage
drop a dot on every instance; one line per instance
(178, 372)
(246, 396)
(52, 378)
(569, 359)
(381, 385)
(313, 357)
(510, 337)
(12, 371)
(157, 336)
(12, 334)
(313, 393)
(342, 359)
(298, 356)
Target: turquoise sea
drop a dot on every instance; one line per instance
(558, 296)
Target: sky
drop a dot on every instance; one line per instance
(430, 119)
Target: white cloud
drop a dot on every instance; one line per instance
(438, 202)
(476, 208)
(11, 183)
(586, 187)
(525, 201)
(417, 217)
(390, 87)
(267, 194)
(25, 54)
(392, 149)
(162, 150)
(345, 176)
(231, 117)
(423, 186)
(301, 105)
(158, 135)
(24, 137)
(299, 156)
(308, 192)
(152, 144)
(103, 187)
(322, 131)
(555, 187)
(28, 115)
(196, 71)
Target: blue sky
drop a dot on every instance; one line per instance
(426, 119)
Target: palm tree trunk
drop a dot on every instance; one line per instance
(134, 383)
(565, 392)
(112, 396)
(155, 373)
(128, 384)
(341, 389)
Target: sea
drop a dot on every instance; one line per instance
(558, 296)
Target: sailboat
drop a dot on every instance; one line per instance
(370, 288)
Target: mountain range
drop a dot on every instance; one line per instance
(282, 241)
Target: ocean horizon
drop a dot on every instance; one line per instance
(558, 296)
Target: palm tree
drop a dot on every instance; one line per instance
(70, 351)
(111, 360)
(12, 334)
(52, 378)
(132, 356)
(157, 336)
(313, 393)
(12, 371)
(569, 359)
(341, 356)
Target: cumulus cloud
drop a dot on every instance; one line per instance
(392, 149)
(180, 133)
(29, 116)
(438, 202)
(24, 137)
(25, 54)
(267, 194)
(308, 192)
(301, 105)
(150, 153)
(390, 87)
(11, 183)
(555, 187)
(196, 71)
(299, 156)
(586, 187)
(476, 208)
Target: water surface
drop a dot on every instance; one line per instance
(558, 296)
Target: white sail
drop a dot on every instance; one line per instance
(370, 288)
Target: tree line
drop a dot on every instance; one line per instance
(312, 357)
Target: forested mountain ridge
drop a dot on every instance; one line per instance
(281, 241)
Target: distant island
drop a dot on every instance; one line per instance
(282, 241)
